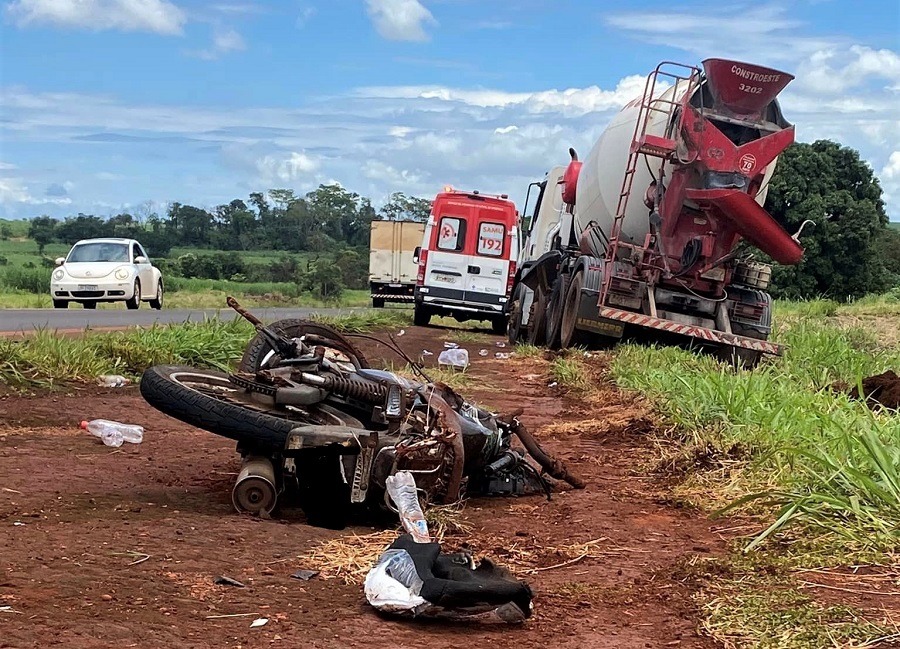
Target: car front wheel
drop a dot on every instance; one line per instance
(135, 300)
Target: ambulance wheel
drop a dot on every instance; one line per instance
(421, 316)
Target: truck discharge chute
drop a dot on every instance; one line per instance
(647, 231)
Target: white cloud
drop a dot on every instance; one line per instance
(224, 41)
(400, 20)
(14, 190)
(400, 131)
(276, 170)
(890, 181)
(5, 166)
(763, 33)
(837, 70)
(573, 101)
(159, 16)
(305, 15)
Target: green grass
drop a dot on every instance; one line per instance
(817, 471)
(525, 350)
(22, 286)
(755, 604)
(46, 359)
(570, 373)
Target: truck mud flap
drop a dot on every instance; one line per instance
(701, 333)
(588, 319)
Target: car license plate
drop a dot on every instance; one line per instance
(447, 279)
(87, 287)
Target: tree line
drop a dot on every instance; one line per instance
(851, 250)
(329, 218)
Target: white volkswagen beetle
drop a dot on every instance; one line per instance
(106, 270)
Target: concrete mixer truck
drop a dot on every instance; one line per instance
(642, 238)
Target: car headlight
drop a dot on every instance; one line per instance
(123, 273)
(58, 274)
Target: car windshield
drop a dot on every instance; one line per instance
(98, 252)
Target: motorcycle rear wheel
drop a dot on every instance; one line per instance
(208, 400)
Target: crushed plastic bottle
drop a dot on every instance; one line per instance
(113, 433)
(112, 381)
(402, 489)
(482, 352)
(502, 356)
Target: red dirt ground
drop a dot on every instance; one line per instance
(70, 510)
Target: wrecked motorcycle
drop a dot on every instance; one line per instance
(314, 422)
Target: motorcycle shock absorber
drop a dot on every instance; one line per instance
(348, 388)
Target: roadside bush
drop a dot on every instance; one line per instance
(29, 280)
(219, 265)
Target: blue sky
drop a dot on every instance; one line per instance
(111, 105)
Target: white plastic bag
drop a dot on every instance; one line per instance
(458, 358)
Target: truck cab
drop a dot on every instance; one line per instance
(467, 260)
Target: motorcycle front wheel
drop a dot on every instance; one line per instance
(208, 400)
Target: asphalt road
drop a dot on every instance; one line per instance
(15, 320)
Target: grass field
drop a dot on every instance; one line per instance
(817, 472)
(25, 283)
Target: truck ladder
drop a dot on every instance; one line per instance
(646, 144)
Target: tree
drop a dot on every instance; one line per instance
(829, 184)
(43, 231)
(399, 207)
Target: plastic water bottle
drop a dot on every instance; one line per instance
(113, 433)
(402, 488)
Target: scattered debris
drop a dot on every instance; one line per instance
(112, 381)
(305, 575)
(449, 345)
(12, 491)
(260, 621)
(483, 352)
(18, 523)
(425, 352)
(552, 385)
(219, 617)
(8, 609)
(881, 390)
(402, 332)
(500, 343)
(222, 580)
(503, 356)
(454, 357)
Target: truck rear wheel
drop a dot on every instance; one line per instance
(568, 334)
(377, 302)
(555, 310)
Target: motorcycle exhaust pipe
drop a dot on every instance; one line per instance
(254, 490)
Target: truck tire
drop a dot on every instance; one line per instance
(163, 389)
(377, 302)
(499, 325)
(537, 317)
(568, 334)
(259, 349)
(555, 310)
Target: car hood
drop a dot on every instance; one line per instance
(93, 269)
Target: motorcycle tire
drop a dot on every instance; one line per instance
(225, 414)
(259, 349)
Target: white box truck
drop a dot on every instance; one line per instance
(392, 262)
